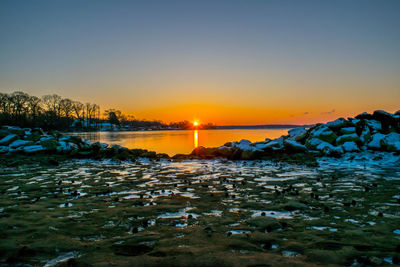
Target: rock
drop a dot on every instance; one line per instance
(347, 138)
(364, 116)
(297, 134)
(294, 146)
(376, 141)
(350, 147)
(246, 145)
(329, 150)
(365, 136)
(374, 126)
(324, 133)
(202, 152)
(8, 139)
(103, 145)
(348, 130)
(4, 149)
(38, 131)
(273, 145)
(391, 142)
(49, 144)
(223, 152)
(339, 123)
(65, 147)
(261, 145)
(312, 143)
(18, 143)
(14, 130)
(34, 149)
(46, 137)
(33, 137)
(228, 144)
(72, 138)
(387, 119)
(3, 133)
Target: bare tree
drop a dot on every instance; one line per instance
(19, 101)
(5, 106)
(34, 106)
(78, 108)
(52, 103)
(91, 110)
(66, 108)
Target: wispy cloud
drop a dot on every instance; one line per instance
(306, 113)
(328, 112)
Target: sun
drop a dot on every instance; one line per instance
(195, 123)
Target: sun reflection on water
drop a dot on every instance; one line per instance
(196, 138)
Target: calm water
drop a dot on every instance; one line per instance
(174, 142)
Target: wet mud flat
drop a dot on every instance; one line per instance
(204, 212)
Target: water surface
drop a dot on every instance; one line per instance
(184, 141)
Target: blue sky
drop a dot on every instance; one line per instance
(170, 59)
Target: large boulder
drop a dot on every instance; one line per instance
(376, 141)
(73, 139)
(350, 147)
(275, 144)
(8, 139)
(365, 136)
(19, 143)
(391, 142)
(348, 130)
(323, 133)
(245, 145)
(66, 147)
(312, 143)
(347, 138)
(294, 146)
(385, 118)
(261, 145)
(374, 125)
(364, 116)
(324, 147)
(329, 150)
(297, 134)
(34, 149)
(49, 143)
(338, 123)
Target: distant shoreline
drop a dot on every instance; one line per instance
(228, 127)
(265, 126)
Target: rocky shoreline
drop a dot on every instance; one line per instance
(379, 131)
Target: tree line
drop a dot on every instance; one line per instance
(48, 112)
(53, 112)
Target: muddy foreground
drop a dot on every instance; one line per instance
(202, 212)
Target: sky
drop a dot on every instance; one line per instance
(225, 62)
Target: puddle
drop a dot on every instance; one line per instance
(274, 214)
(62, 258)
(289, 253)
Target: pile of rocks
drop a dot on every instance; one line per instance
(15, 140)
(378, 131)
